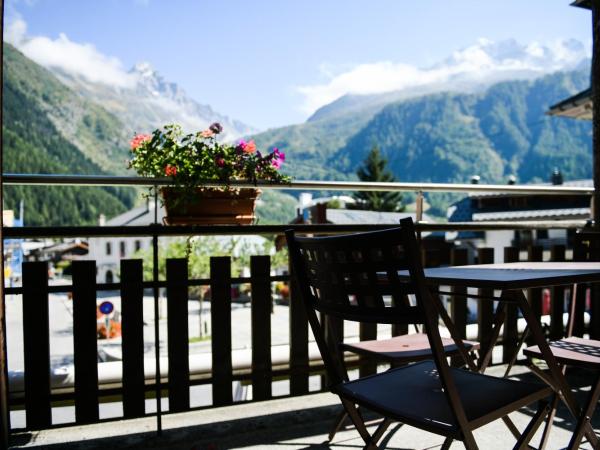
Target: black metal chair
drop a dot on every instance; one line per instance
(349, 278)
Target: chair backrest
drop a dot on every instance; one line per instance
(355, 277)
(351, 277)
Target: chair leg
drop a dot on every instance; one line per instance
(359, 423)
(532, 427)
(549, 420)
(383, 426)
(586, 415)
(469, 440)
(447, 443)
(338, 424)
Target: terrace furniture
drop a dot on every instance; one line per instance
(405, 349)
(575, 351)
(512, 279)
(347, 277)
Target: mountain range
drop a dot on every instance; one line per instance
(56, 121)
(147, 101)
(447, 136)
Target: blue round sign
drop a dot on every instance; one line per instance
(106, 307)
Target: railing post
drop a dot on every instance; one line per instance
(485, 308)
(220, 312)
(262, 301)
(178, 335)
(298, 340)
(458, 303)
(36, 345)
(535, 253)
(132, 327)
(510, 335)
(85, 344)
(557, 253)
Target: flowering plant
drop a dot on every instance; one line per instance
(194, 159)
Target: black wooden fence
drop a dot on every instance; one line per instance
(87, 394)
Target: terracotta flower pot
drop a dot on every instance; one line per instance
(210, 206)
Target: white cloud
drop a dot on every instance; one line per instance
(62, 53)
(482, 63)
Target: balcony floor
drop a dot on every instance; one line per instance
(289, 423)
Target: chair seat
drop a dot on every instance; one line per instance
(404, 348)
(573, 351)
(413, 395)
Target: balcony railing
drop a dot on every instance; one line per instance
(175, 375)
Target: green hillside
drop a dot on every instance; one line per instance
(501, 132)
(447, 137)
(33, 103)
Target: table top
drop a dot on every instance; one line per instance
(520, 275)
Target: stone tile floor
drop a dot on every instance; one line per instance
(288, 423)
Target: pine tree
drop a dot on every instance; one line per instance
(374, 168)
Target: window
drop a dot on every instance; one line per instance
(122, 249)
(109, 278)
(108, 248)
(542, 234)
(137, 245)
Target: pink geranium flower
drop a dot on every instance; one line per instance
(138, 140)
(220, 162)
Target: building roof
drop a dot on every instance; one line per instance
(579, 106)
(142, 215)
(583, 4)
(587, 183)
(357, 216)
(560, 213)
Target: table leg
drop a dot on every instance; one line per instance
(555, 372)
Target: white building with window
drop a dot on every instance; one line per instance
(108, 251)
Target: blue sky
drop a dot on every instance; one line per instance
(271, 62)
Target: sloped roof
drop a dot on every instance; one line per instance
(559, 213)
(357, 216)
(142, 215)
(583, 4)
(579, 106)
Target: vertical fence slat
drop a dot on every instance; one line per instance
(535, 253)
(580, 253)
(458, 303)
(510, 336)
(262, 303)
(220, 310)
(298, 341)
(557, 254)
(485, 308)
(333, 332)
(367, 332)
(85, 344)
(36, 345)
(594, 255)
(132, 329)
(177, 333)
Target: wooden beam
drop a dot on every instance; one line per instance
(4, 413)
(596, 100)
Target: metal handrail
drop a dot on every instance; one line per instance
(192, 230)
(110, 180)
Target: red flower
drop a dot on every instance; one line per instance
(170, 170)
